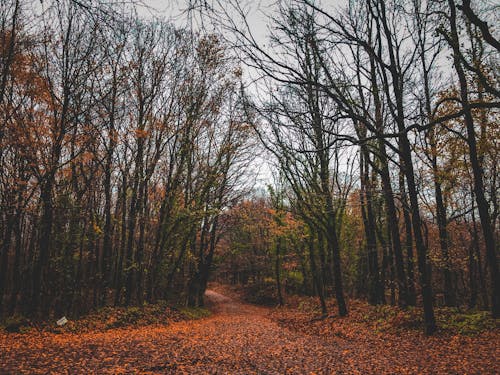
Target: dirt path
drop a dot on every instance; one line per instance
(236, 339)
(243, 339)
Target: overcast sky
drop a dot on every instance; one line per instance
(175, 10)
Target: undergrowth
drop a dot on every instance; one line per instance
(387, 318)
(108, 318)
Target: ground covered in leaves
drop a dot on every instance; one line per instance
(238, 338)
(388, 340)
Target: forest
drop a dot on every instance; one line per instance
(340, 154)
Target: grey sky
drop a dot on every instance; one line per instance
(173, 9)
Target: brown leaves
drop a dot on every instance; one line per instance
(244, 339)
(386, 340)
(141, 133)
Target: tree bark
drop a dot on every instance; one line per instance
(477, 170)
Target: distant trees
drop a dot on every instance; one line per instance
(263, 245)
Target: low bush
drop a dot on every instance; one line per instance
(16, 324)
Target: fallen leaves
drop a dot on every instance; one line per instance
(245, 339)
(385, 340)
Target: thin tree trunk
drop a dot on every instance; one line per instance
(4, 256)
(16, 268)
(277, 269)
(375, 290)
(315, 275)
(42, 259)
(123, 241)
(385, 176)
(412, 295)
(406, 156)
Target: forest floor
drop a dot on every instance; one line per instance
(239, 338)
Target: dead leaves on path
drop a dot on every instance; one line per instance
(243, 339)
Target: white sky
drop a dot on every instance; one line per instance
(173, 9)
(257, 18)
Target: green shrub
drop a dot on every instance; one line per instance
(294, 281)
(127, 317)
(16, 324)
(263, 293)
(465, 323)
(194, 313)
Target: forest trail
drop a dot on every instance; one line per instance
(236, 339)
(239, 338)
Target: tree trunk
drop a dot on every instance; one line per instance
(123, 240)
(315, 274)
(477, 170)
(16, 268)
(42, 260)
(277, 270)
(4, 256)
(397, 93)
(412, 295)
(385, 176)
(375, 289)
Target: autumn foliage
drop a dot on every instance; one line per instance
(344, 170)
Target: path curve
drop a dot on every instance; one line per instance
(241, 339)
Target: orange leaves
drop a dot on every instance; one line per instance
(244, 339)
(285, 224)
(141, 133)
(368, 342)
(210, 51)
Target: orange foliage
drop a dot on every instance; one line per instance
(245, 339)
